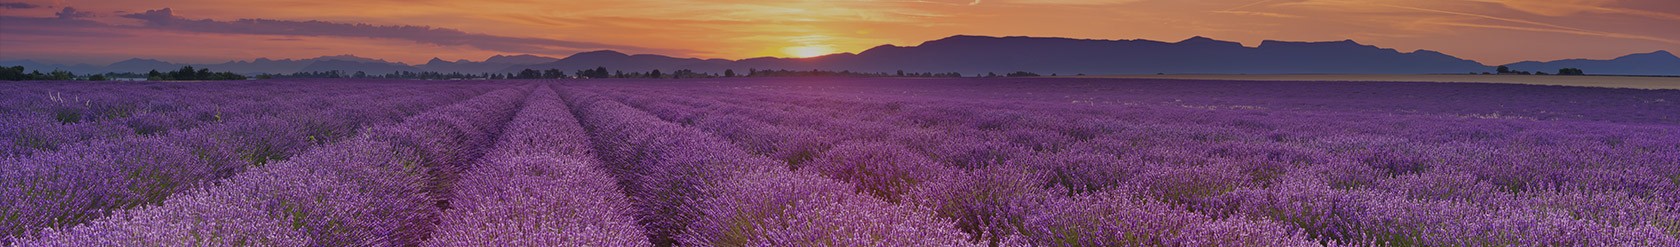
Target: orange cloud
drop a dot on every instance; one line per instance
(743, 28)
(1554, 7)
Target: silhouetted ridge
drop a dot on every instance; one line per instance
(1652, 63)
(1208, 42)
(971, 55)
(601, 54)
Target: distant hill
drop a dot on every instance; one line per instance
(519, 59)
(978, 54)
(614, 60)
(375, 68)
(44, 67)
(284, 66)
(975, 55)
(347, 63)
(494, 64)
(140, 66)
(257, 66)
(1654, 63)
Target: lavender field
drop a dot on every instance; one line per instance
(836, 162)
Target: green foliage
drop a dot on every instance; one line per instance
(16, 73)
(187, 73)
(598, 72)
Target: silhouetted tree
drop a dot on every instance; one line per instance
(184, 74)
(1571, 71)
(823, 73)
(553, 74)
(728, 73)
(188, 73)
(1503, 70)
(14, 73)
(1021, 74)
(528, 74)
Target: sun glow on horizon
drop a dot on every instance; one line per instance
(811, 45)
(107, 31)
(808, 51)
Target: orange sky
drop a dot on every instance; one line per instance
(1490, 31)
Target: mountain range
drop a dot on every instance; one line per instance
(973, 55)
(1654, 63)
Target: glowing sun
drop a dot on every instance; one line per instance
(808, 51)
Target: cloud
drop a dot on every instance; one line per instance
(166, 19)
(1538, 26)
(72, 13)
(1563, 31)
(12, 5)
(57, 27)
(158, 15)
(1481, 29)
(1257, 13)
(1553, 7)
(1562, 8)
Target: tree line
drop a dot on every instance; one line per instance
(187, 73)
(16, 73)
(1503, 70)
(603, 73)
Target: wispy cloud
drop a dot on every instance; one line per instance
(416, 30)
(166, 19)
(1257, 13)
(16, 5)
(72, 13)
(1537, 25)
(57, 27)
(1555, 30)
(1574, 7)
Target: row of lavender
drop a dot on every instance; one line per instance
(541, 185)
(774, 163)
(47, 116)
(691, 188)
(993, 202)
(1639, 169)
(1348, 177)
(90, 179)
(378, 188)
(1484, 100)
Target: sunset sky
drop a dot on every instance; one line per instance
(413, 31)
